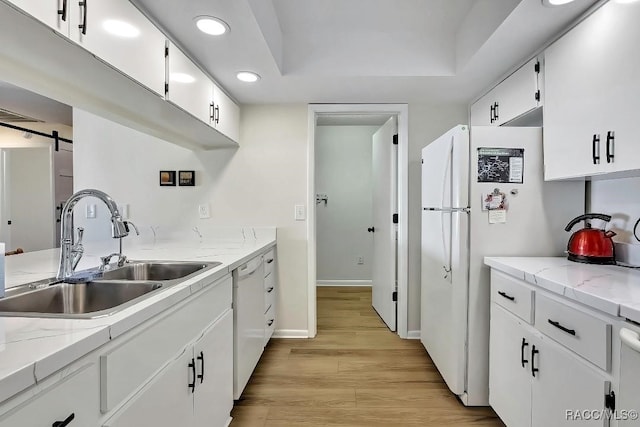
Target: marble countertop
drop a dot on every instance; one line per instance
(31, 349)
(611, 289)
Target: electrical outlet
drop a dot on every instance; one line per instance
(203, 211)
(300, 214)
(360, 260)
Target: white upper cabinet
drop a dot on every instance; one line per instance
(518, 94)
(188, 87)
(119, 34)
(593, 96)
(54, 13)
(226, 117)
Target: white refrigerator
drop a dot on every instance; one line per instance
(483, 194)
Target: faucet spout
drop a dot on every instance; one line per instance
(69, 253)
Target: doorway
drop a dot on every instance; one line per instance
(396, 252)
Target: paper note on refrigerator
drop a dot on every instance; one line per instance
(497, 216)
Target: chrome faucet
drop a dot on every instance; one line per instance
(71, 253)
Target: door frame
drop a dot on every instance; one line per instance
(401, 111)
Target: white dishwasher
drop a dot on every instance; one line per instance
(248, 321)
(629, 393)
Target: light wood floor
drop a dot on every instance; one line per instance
(354, 373)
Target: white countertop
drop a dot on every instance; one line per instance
(612, 289)
(31, 349)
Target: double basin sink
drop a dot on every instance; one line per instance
(116, 289)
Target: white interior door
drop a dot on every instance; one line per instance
(384, 171)
(62, 181)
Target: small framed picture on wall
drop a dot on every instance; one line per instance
(187, 178)
(167, 178)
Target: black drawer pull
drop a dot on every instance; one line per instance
(65, 422)
(533, 361)
(504, 295)
(559, 326)
(63, 12)
(192, 385)
(610, 141)
(491, 111)
(523, 361)
(270, 260)
(83, 26)
(595, 149)
(270, 322)
(201, 359)
(270, 289)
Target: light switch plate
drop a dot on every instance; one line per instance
(300, 214)
(203, 211)
(91, 210)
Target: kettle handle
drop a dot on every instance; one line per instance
(574, 221)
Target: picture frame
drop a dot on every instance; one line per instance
(167, 178)
(187, 178)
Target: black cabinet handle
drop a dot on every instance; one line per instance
(201, 359)
(491, 112)
(610, 141)
(270, 289)
(559, 326)
(192, 385)
(65, 422)
(524, 344)
(595, 149)
(83, 26)
(504, 295)
(63, 12)
(212, 114)
(217, 114)
(533, 361)
(495, 111)
(270, 322)
(270, 260)
(371, 229)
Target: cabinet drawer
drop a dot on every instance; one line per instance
(125, 368)
(577, 330)
(513, 295)
(269, 298)
(76, 394)
(269, 262)
(269, 324)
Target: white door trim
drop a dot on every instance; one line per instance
(402, 112)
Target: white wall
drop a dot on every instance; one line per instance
(258, 184)
(619, 198)
(343, 172)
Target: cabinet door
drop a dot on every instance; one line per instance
(516, 95)
(119, 34)
(214, 364)
(629, 394)
(77, 394)
(46, 11)
(166, 401)
(189, 88)
(481, 111)
(509, 377)
(564, 382)
(227, 114)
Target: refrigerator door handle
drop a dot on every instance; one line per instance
(444, 177)
(445, 253)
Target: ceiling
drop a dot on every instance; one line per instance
(363, 51)
(16, 103)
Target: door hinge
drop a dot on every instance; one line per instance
(166, 88)
(166, 51)
(537, 95)
(56, 139)
(610, 401)
(395, 139)
(394, 298)
(536, 67)
(395, 218)
(422, 161)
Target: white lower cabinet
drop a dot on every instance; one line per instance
(74, 399)
(553, 371)
(195, 389)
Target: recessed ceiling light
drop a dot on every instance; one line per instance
(555, 2)
(211, 25)
(120, 28)
(248, 76)
(624, 1)
(181, 78)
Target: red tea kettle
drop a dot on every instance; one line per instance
(591, 245)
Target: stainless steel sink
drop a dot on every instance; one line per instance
(91, 299)
(116, 289)
(156, 270)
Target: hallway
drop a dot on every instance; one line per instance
(354, 373)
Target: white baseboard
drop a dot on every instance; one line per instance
(291, 333)
(413, 335)
(343, 283)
